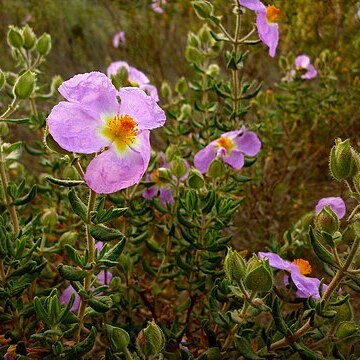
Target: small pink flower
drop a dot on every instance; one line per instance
(230, 147)
(336, 204)
(156, 6)
(266, 22)
(302, 63)
(93, 121)
(135, 76)
(118, 38)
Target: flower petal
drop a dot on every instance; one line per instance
(235, 159)
(336, 204)
(204, 157)
(254, 5)
(152, 90)
(268, 33)
(276, 261)
(311, 73)
(248, 143)
(93, 90)
(135, 75)
(112, 171)
(302, 61)
(166, 196)
(141, 107)
(75, 128)
(149, 193)
(65, 297)
(307, 286)
(101, 277)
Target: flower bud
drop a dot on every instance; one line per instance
(326, 220)
(350, 234)
(216, 169)
(125, 262)
(356, 182)
(193, 55)
(181, 86)
(29, 37)
(25, 85)
(56, 81)
(234, 266)
(119, 338)
(49, 218)
(195, 179)
(15, 38)
(344, 312)
(185, 111)
(342, 160)
(43, 45)
(4, 129)
(164, 175)
(171, 153)
(165, 90)
(193, 40)
(2, 80)
(213, 70)
(203, 9)
(178, 167)
(346, 329)
(205, 36)
(68, 237)
(150, 340)
(259, 276)
(10, 78)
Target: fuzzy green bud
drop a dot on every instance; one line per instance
(181, 86)
(178, 167)
(49, 217)
(213, 70)
(193, 40)
(259, 276)
(185, 111)
(205, 36)
(344, 312)
(195, 179)
(56, 81)
(119, 338)
(326, 220)
(10, 78)
(203, 9)
(356, 182)
(349, 234)
(193, 55)
(43, 45)
(29, 37)
(164, 175)
(346, 329)
(25, 85)
(2, 80)
(165, 90)
(216, 169)
(170, 153)
(150, 340)
(68, 238)
(4, 129)
(234, 266)
(15, 38)
(342, 160)
(126, 262)
(121, 78)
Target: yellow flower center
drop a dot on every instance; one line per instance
(303, 265)
(226, 143)
(272, 14)
(155, 176)
(121, 130)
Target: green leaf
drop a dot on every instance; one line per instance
(66, 183)
(104, 233)
(41, 313)
(16, 121)
(71, 273)
(85, 346)
(74, 255)
(245, 349)
(26, 198)
(77, 205)
(101, 304)
(320, 250)
(114, 253)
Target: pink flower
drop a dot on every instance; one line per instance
(231, 147)
(336, 204)
(266, 17)
(93, 121)
(135, 76)
(306, 286)
(118, 38)
(302, 63)
(156, 6)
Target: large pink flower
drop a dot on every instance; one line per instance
(93, 121)
(231, 147)
(134, 76)
(266, 17)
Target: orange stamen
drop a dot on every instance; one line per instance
(226, 143)
(272, 14)
(303, 265)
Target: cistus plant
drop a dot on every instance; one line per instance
(121, 238)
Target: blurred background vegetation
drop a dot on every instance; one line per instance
(297, 123)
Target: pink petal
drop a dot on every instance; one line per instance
(142, 108)
(93, 90)
(149, 193)
(254, 5)
(248, 143)
(235, 159)
(75, 128)
(65, 297)
(336, 204)
(276, 261)
(302, 61)
(152, 91)
(311, 73)
(204, 157)
(135, 75)
(112, 171)
(268, 33)
(166, 196)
